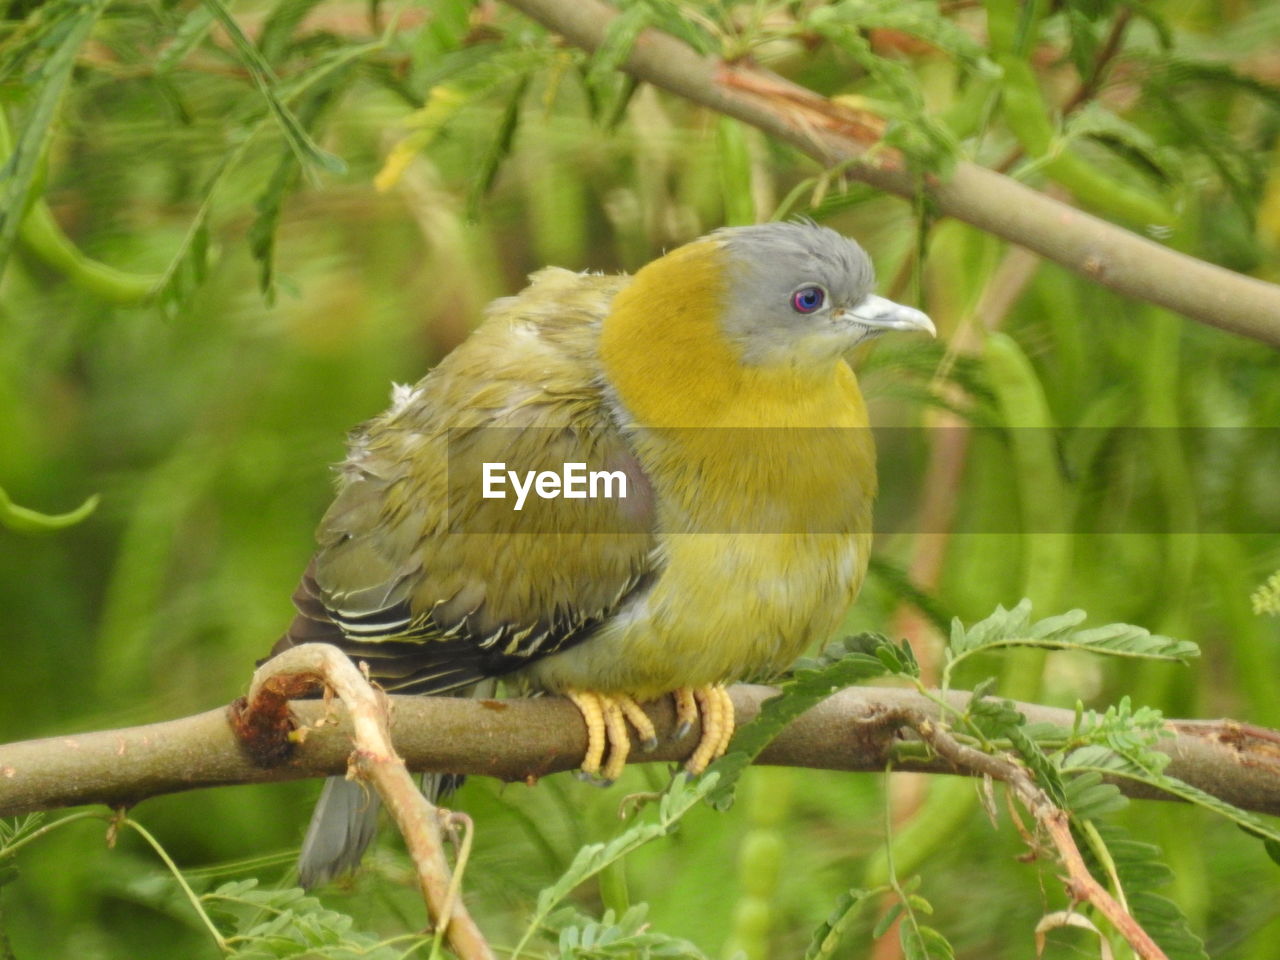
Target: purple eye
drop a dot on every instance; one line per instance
(808, 299)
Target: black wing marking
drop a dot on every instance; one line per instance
(415, 654)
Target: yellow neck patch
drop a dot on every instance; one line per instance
(661, 346)
(665, 354)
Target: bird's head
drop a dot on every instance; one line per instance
(739, 313)
(799, 294)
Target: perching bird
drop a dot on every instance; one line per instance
(743, 537)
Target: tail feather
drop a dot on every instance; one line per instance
(346, 818)
(342, 827)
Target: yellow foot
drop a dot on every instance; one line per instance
(606, 717)
(717, 723)
(686, 711)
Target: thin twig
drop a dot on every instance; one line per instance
(1081, 885)
(1089, 85)
(374, 759)
(456, 823)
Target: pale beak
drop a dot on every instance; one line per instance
(881, 314)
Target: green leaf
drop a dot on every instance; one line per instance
(842, 664)
(1094, 121)
(672, 16)
(992, 717)
(630, 936)
(1241, 171)
(899, 659)
(284, 19)
(1084, 40)
(1046, 773)
(270, 203)
(1112, 763)
(36, 39)
(194, 28)
(613, 115)
(680, 797)
(294, 133)
(1089, 798)
(920, 942)
(1273, 849)
(20, 174)
(29, 521)
(826, 938)
(1141, 872)
(1266, 599)
(620, 36)
(1127, 731)
(886, 920)
(1176, 70)
(262, 232)
(919, 18)
(189, 263)
(735, 172)
(446, 29)
(271, 923)
(14, 829)
(498, 149)
(1014, 628)
(913, 129)
(1126, 640)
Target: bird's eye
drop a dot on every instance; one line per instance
(808, 299)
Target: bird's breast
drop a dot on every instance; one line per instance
(726, 607)
(763, 543)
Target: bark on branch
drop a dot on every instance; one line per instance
(528, 739)
(1103, 252)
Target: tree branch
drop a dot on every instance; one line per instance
(832, 134)
(530, 738)
(373, 759)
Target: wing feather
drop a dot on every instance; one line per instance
(434, 587)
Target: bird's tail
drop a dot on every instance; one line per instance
(346, 818)
(342, 827)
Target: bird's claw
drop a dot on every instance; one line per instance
(717, 726)
(611, 717)
(686, 711)
(591, 778)
(607, 717)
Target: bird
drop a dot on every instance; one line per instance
(713, 386)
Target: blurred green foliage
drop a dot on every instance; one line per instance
(226, 231)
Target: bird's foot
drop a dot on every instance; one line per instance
(717, 723)
(686, 712)
(608, 738)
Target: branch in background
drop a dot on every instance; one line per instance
(832, 134)
(524, 739)
(265, 711)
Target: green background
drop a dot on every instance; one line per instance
(207, 421)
